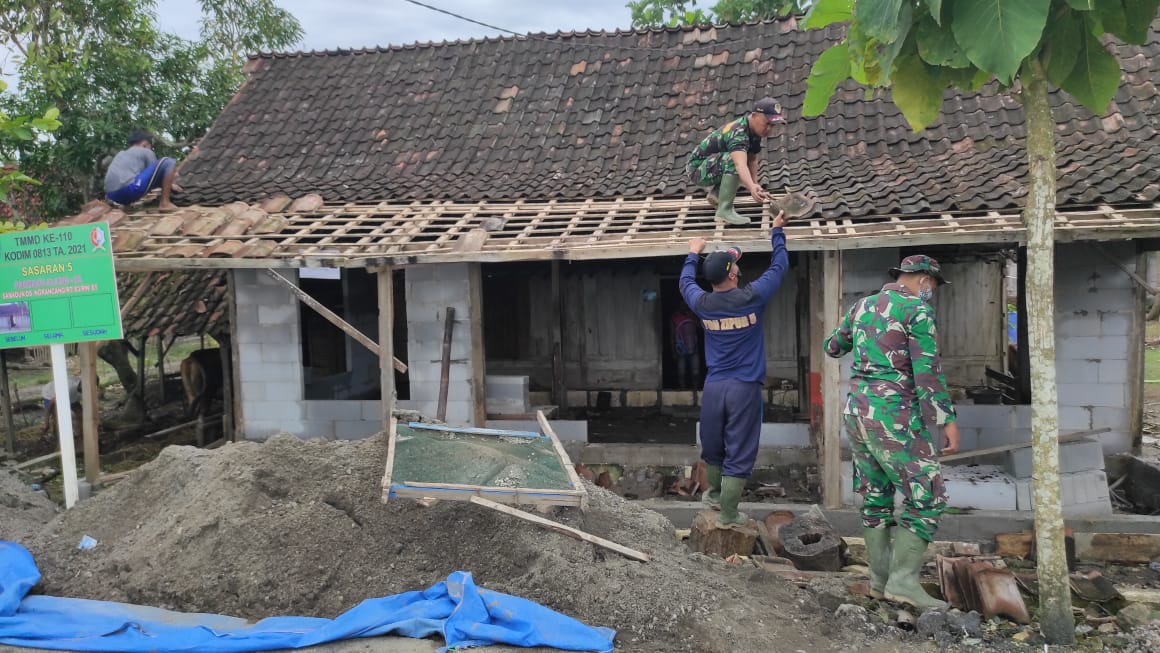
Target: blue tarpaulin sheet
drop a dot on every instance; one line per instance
(463, 614)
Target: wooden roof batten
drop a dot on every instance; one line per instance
(372, 235)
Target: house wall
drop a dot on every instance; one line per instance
(430, 290)
(270, 369)
(1095, 306)
(614, 330)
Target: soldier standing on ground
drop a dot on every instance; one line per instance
(727, 159)
(735, 358)
(897, 395)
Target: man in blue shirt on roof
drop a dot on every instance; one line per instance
(735, 355)
(136, 170)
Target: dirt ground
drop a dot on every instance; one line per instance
(297, 527)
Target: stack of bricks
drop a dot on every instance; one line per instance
(1083, 485)
(507, 395)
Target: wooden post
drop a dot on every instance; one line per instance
(90, 413)
(559, 392)
(817, 355)
(478, 354)
(445, 363)
(226, 350)
(238, 420)
(387, 344)
(6, 398)
(161, 364)
(1136, 357)
(141, 380)
(831, 455)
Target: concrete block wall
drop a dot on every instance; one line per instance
(430, 290)
(269, 355)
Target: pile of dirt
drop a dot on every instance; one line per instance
(23, 511)
(297, 527)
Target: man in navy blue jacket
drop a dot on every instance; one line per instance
(735, 355)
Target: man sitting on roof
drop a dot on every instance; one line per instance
(727, 159)
(137, 170)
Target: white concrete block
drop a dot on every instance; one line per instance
(281, 314)
(1113, 371)
(332, 410)
(1078, 456)
(1091, 347)
(318, 429)
(1077, 371)
(373, 410)
(998, 437)
(1075, 418)
(506, 407)
(280, 353)
(1113, 418)
(984, 487)
(1086, 490)
(1115, 323)
(987, 416)
(253, 391)
(1070, 324)
(284, 390)
(782, 435)
(274, 410)
(1091, 394)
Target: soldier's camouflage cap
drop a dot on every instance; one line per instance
(919, 263)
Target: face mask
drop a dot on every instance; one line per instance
(925, 293)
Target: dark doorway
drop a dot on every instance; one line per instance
(671, 302)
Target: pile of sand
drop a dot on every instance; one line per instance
(23, 511)
(297, 527)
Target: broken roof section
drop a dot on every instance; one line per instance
(595, 115)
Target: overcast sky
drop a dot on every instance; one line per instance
(333, 24)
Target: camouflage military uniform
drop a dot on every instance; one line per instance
(713, 158)
(897, 390)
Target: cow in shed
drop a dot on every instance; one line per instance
(201, 377)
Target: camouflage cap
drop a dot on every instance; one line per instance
(919, 263)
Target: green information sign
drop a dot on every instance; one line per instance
(58, 285)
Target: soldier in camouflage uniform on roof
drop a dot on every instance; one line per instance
(727, 159)
(897, 396)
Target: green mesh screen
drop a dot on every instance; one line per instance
(425, 456)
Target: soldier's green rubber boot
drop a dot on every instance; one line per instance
(731, 489)
(879, 554)
(712, 193)
(712, 496)
(728, 192)
(906, 563)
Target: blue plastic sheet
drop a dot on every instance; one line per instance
(463, 614)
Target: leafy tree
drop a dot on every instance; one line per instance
(109, 69)
(918, 48)
(14, 131)
(657, 13)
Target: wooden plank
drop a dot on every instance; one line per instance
(565, 459)
(831, 385)
(237, 424)
(1070, 437)
(510, 496)
(32, 462)
(387, 391)
(1124, 548)
(475, 430)
(445, 363)
(562, 529)
(1140, 281)
(337, 321)
(392, 435)
(556, 320)
(478, 355)
(1014, 545)
(1135, 362)
(90, 410)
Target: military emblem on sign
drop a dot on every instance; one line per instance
(97, 238)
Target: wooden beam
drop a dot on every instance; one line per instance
(1124, 548)
(6, 398)
(1140, 281)
(90, 411)
(478, 353)
(556, 320)
(237, 426)
(1070, 437)
(831, 455)
(32, 462)
(392, 430)
(334, 319)
(445, 363)
(562, 529)
(387, 393)
(565, 459)
(1136, 328)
